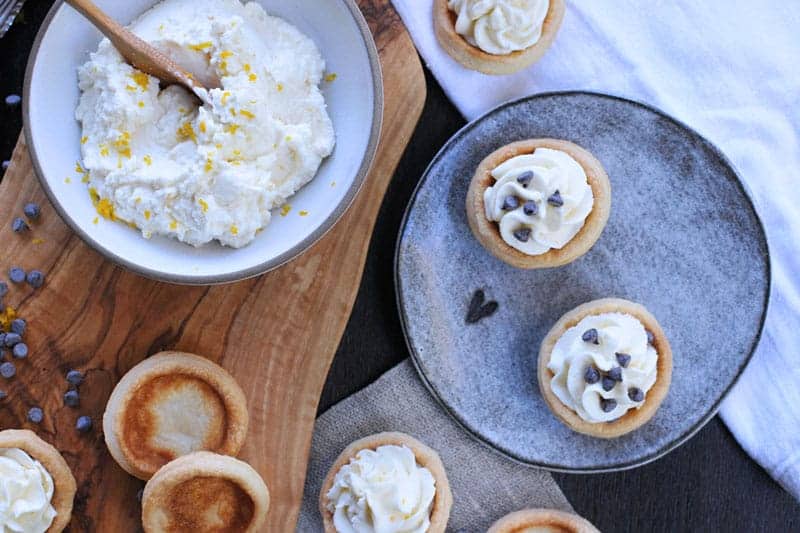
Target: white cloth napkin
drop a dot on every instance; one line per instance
(731, 70)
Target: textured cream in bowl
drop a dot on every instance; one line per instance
(158, 160)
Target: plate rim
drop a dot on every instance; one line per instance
(295, 251)
(683, 437)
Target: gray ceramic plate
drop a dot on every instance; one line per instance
(683, 239)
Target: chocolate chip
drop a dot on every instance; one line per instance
(608, 383)
(592, 375)
(525, 178)
(530, 208)
(8, 370)
(35, 415)
(615, 373)
(623, 359)
(478, 310)
(74, 377)
(555, 199)
(522, 234)
(72, 398)
(650, 337)
(511, 202)
(636, 394)
(608, 404)
(590, 335)
(84, 424)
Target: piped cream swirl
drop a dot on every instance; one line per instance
(617, 333)
(500, 27)
(535, 230)
(26, 490)
(382, 491)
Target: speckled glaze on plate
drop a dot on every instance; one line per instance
(683, 239)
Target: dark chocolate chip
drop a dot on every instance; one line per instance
(592, 375)
(608, 383)
(608, 404)
(35, 415)
(84, 424)
(74, 377)
(72, 398)
(623, 359)
(650, 337)
(530, 208)
(522, 234)
(555, 199)
(590, 335)
(636, 394)
(525, 178)
(615, 373)
(511, 202)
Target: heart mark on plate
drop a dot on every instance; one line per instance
(479, 308)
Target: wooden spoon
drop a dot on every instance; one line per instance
(139, 53)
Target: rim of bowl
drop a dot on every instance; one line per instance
(261, 268)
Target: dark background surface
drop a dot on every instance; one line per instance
(708, 484)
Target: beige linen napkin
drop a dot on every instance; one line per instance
(485, 485)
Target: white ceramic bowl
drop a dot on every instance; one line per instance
(355, 104)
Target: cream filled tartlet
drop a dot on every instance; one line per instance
(159, 160)
(497, 36)
(388, 482)
(539, 203)
(605, 367)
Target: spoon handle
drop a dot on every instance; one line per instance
(136, 51)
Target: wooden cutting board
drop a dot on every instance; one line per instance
(277, 333)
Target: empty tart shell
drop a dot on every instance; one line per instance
(205, 492)
(633, 418)
(472, 57)
(425, 456)
(172, 404)
(488, 232)
(542, 520)
(64, 485)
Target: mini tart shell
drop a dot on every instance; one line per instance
(556, 520)
(472, 57)
(157, 499)
(488, 232)
(166, 364)
(426, 457)
(64, 485)
(632, 419)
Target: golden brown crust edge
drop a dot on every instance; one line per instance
(634, 418)
(52, 460)
(514, 522)
(488, 232)
(427, 457)
(165, 363)
(474, 58)
(203, 464)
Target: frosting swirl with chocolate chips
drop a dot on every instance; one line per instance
(540, 200)
(603, 366)
(500, 27)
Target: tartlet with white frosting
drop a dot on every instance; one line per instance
(386, 482)
(605, 367)
(33, 470)
(542, 521)
(497, 36)
(539, 203)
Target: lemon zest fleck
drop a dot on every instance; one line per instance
(225, 54)
(288, 138)
(130, 88)
(96, 220)
(225, 96)
(147, 214)
(67, 180)
(37, 240)
(199, 47)
(333, 184)
(106, 209)
(279, 87)
(234, 230)
(209, 165)
(330, 77)
(285, 209)
(223, 66)
(203, 205)
(233, 112)
(6, 317)
(141, 104)
(246, 67)
(84, 139)
(247, 114)
(138, 200)
(252, 77)
(104, 150)
(231, 128)
(186, 131)
(203, 126)
(173, 225)
(148, 160)
(303, 213)
(141, 79)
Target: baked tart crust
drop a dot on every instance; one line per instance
(425, 456)
(556, 521)
(64, 485)
(633, 418)
(142, 423)
(488, 232)
(472, 57)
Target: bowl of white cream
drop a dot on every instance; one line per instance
(195, 192)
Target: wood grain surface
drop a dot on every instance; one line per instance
(277, 333)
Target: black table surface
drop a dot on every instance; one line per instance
(708, 484)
